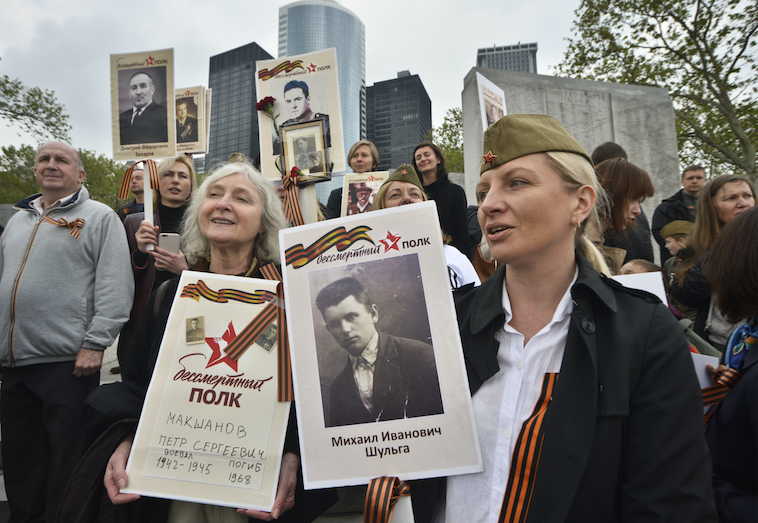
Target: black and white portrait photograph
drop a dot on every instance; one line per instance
(186, 120)
(375, 354)
(267, 339)
(195, 330)
(143, 111)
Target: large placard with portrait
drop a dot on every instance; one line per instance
(306, 89)
(211, 429)
(190, 120)
(142, 105)
(377, 362)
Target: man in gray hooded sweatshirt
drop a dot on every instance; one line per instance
(66, 288)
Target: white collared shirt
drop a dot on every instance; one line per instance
(363, 371)
(37, 203)
(502, 404)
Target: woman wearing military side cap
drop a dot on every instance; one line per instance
(586, 405)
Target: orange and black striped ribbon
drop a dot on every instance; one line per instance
(292, 210)
(286, 66)
(286, 391)
(298, 256)
(712, 395)
(201, 289)
(526, 457)
(62, 222)
(152, 175)
(381, 496)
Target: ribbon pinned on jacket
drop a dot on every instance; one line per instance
(381, 496)
(712, 395)
(152, 175)
(62, 222)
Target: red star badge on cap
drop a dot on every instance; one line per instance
(404, 172)
(489, 158)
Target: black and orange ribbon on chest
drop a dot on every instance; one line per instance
(62, 222)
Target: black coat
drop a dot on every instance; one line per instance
(451, 207)
(732, 436)
(623, 434)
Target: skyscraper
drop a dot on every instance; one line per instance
(398, 117)
(234, 120)
(313, 25)
(519, 57)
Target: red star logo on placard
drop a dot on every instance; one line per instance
(218, 345)
(489, 158)
(390, 242)
(149, 60)
(187, 92)
(312, 68)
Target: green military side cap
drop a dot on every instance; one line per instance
(517, 135)
(405, 173)
(676, 227)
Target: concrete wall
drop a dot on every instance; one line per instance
(6, 211)
(640, 119)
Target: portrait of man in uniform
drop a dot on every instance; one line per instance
(186, 125)
(297, 101)
(195, 330)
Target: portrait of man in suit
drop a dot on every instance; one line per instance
(186, 125)
(385, 377)
(146, 121)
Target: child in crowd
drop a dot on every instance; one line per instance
(675, 234)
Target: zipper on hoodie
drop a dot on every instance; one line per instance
(15, 289)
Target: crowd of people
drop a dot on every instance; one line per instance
(585, 399)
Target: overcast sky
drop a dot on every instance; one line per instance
(64, 45)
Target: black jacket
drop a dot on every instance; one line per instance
(732, 436)
(623, 433)
(695, 293)
(669, 210)
(451, 207)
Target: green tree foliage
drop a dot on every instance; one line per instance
(17, 180)
(35, 111)
(103, 178)
(449, 138)
(702, 51)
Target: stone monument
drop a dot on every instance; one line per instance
(640, 119)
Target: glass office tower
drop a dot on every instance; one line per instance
(234, 119)
(399, 117)
(313, 25)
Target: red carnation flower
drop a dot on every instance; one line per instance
(266, 104)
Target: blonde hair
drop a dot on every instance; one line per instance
(577, 171)
(374, 153)
(165, 165)
(379, 198)
(266, 246)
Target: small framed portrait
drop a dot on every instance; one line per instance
(305, 148)
(267, 339)
(195, 330)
